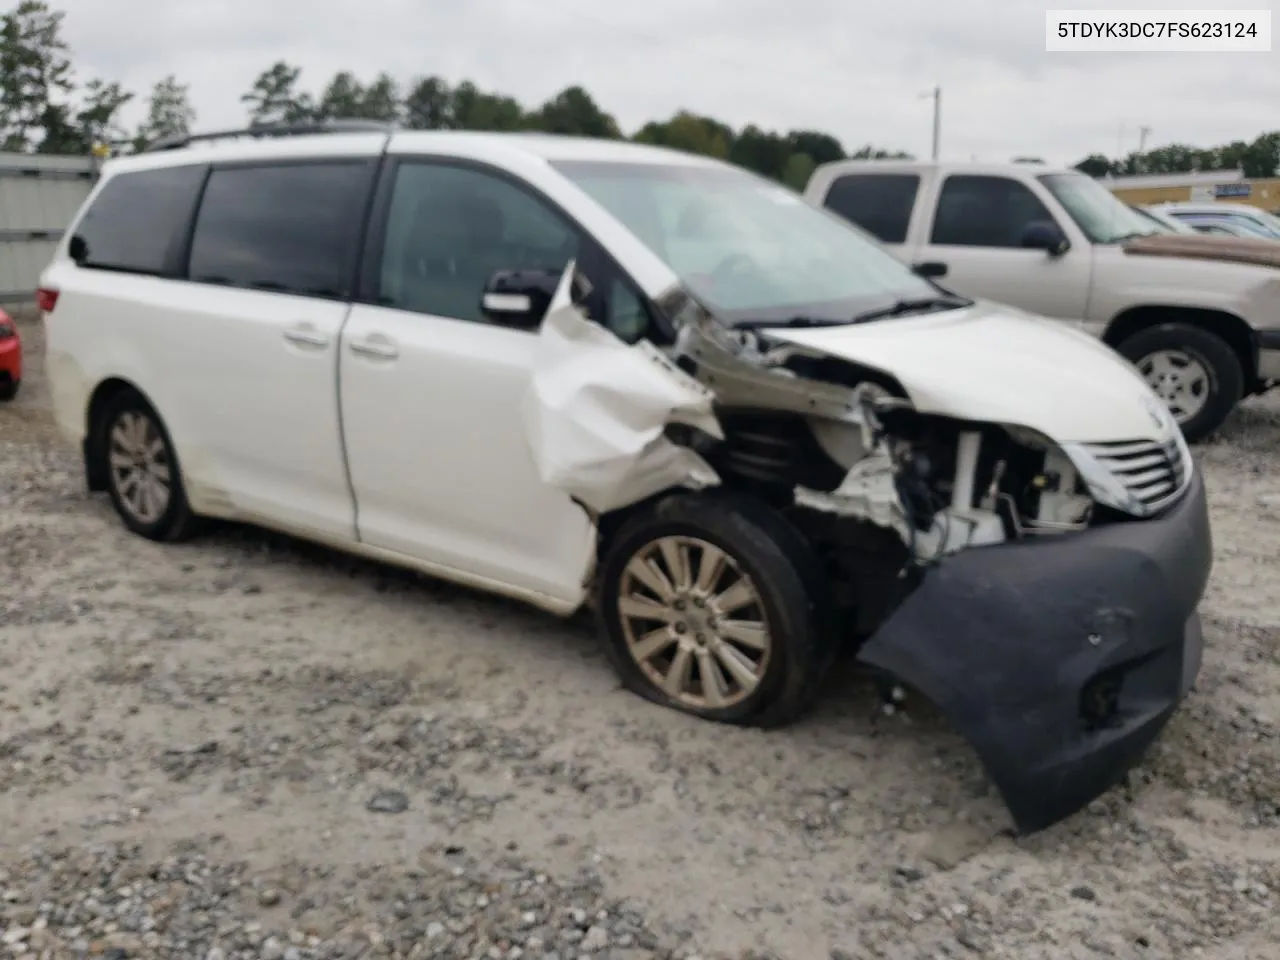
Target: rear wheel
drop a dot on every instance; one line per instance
(9, 390)
(716, 607)
(141, 470)
(1195, 373)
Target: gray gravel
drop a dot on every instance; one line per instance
(250, 747)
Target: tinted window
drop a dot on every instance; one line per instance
(137, 219)
(449, 229)
(290, 228)
(879, 203)
(985, 212)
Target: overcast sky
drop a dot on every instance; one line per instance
(854, 69)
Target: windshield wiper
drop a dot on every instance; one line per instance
(901, 308)
(793, 322)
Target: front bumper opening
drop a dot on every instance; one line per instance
(1061, 660)
(1100, 701)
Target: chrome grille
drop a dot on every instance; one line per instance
(1154, 472)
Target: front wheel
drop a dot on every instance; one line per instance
(716, 607)
(9, 390)
(1195, 373)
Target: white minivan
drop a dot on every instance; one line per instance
(584, 372)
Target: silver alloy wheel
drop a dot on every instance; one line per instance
(1180, 379)
(694, 622)
(140, 470)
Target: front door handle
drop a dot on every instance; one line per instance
(306, 335)
(376, 346)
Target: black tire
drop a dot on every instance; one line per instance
(789, 582)
(9, 390)
(1226, 376)
(176, 522)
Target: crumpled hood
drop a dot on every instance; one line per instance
(996, 364)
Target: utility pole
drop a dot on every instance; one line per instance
(937, 121)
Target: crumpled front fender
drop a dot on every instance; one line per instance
(597, 409)
(1011, 642)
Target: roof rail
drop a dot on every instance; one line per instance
(337, 125)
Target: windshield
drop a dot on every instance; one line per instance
(1102, 216)
(1265, 222)
(1168, 224)
(1236, 226)
(748, 249)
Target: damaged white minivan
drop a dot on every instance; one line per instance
(579, 372)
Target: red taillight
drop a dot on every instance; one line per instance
(46, 299)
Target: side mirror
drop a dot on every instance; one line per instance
(1047, 236)
(930, 269)
(519, 298)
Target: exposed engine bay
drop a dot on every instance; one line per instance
(843, 452)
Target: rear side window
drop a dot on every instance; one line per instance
(879, 203)
(137, 220)
(288, 228)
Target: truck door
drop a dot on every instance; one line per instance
(976, 230)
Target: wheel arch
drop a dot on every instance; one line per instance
(99, 400)
(1227, 326)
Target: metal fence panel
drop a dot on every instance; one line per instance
(38, 197)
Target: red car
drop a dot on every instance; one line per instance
(10, 357)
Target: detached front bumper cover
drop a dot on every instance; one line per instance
(1011, 641)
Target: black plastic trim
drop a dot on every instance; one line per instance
(1004, 639)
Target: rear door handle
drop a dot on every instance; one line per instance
(306, 335)
(376, 346)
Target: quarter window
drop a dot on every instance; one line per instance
(449, 229)
(879, 203)
(138, 219)
(289, 228)
(977, 211)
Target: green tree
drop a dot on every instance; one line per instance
(870, 152)
(35, 76)
(473, 109)
(346, 98)
(820, 147)
(99, 117)
(429, 105)
(1095, 165)
(689, 132)
(381, 100)
(169, 113)
(574, 112)
(759, 150)
(275, 98)
(799, 168)
(343, 96)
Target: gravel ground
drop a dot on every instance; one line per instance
(251, 747)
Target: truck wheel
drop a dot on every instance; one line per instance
(716, 607)
(1196, 374)
(141, 468)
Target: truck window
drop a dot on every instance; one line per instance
(984, 211)
(879, 203)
